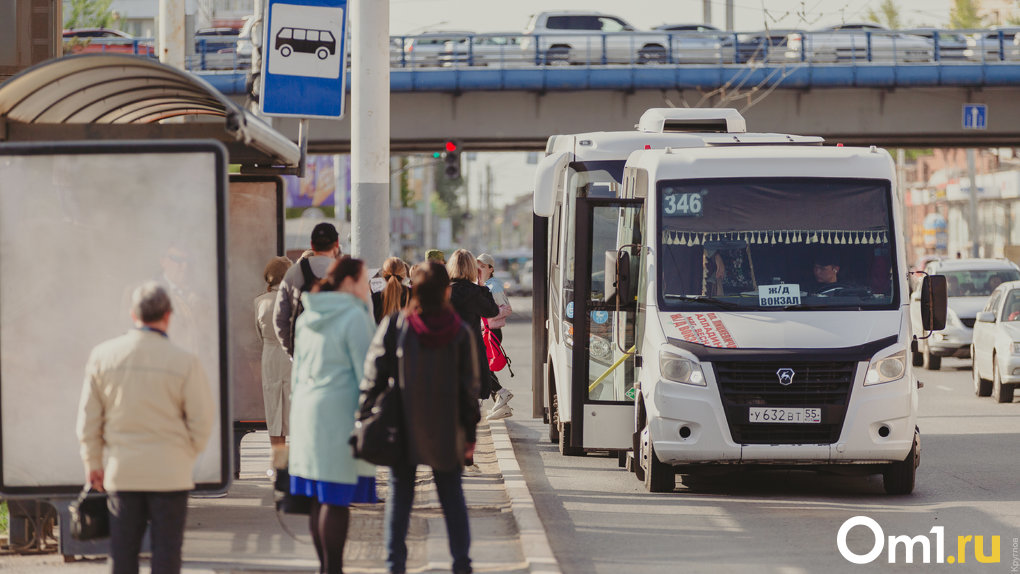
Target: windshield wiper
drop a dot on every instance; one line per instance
(706, 300)
(803, 307)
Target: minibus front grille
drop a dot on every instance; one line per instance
(815, 384)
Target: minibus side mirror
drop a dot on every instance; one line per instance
(617, 284)
(934, 302)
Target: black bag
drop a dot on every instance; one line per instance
(378, 435)
(90, 516)
(290, 503)
(299, 307)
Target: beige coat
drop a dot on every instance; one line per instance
(276, 367)
(146, 404)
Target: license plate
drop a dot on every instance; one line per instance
(784, 415)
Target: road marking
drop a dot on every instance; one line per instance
(945, 388)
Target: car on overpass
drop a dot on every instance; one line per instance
(423, 50)
(857, 43)
(993, 45)
(484, 50)
(586, 37)
(995, 363)
(697, 43)
(89, 40)
(970, 282)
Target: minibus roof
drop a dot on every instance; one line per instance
(608, 146)
(764, 161)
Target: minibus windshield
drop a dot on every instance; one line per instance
(774, 244)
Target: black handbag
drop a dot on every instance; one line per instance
(90, 516)
(378, 435)
(290, 503)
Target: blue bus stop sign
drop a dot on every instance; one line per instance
(304, 58)
(975, 116)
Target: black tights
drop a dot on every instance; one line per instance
(328, 524)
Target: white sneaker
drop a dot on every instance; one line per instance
(503, 412)
(503, 397)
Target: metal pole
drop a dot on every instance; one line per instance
(171, 33)
(975, 235)
(729, 15)
(370, 131)
(706, 8)
(428, 185)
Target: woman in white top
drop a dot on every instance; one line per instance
(501, 396)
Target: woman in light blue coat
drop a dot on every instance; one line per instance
(331, 341)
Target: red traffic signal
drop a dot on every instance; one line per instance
(451, 146)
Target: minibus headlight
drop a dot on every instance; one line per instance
(600, 349)
(887, 369)
(680, 370)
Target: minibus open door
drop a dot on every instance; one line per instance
(602, 328)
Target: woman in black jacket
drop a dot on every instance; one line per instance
(437, 373)
(472, 302)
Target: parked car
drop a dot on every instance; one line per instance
(484, 50)
(994, 45)
(995, 353)
(528, 278)
(864, 42)
(88, 40)
(970, 282)
(216, 49)
(423, 50)
(510, 284)
(584, 37)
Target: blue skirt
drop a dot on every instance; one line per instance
(335, 493)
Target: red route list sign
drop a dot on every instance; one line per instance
(704, 329)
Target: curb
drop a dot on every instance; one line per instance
(534, 542)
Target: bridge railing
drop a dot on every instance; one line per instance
(465, 50)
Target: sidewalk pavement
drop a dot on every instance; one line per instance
(241, 532)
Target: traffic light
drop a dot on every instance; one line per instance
(452, 160)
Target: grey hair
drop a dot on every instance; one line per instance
(150, 302)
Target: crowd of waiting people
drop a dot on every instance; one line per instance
(333, 333)
(348, 333)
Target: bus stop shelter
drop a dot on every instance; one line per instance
(89, 145)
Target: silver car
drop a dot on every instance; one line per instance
(995, 354)
(423, 50)
(858, 43)
(970, 282)
(484, 50)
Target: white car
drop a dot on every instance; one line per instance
(584, 37)
(858, 43)
(970, 281)
(995, 353)
(993, 45)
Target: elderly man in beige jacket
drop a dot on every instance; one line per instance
(147, 406)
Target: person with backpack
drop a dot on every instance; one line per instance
(500, 395)
(300, 278)
(333, 337)
(431, 354)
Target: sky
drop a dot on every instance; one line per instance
(511, 173)
(414, 16)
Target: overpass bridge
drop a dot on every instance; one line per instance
(517, 108)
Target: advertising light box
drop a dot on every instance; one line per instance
(82, 225)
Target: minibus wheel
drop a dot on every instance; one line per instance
(659, 477)
(898, 477)
(554, 419)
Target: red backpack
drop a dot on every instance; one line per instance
(494, 350)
